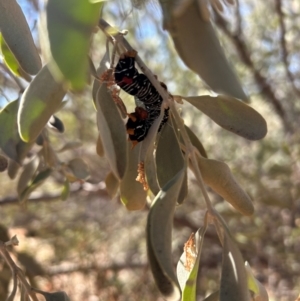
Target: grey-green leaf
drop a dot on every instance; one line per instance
(112, 131)
(187, 275)
(103, 66)
(132, 194)
(198, 46)
(233, 285)
(159, 237)
(17, 35)
(41, 99)
(232, 115)
(79, 168)
(70, 25)
(112, 184)
(10, 141)
(218, 176)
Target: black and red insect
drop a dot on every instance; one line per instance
(138, 85)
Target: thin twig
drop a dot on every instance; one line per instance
(289, 74)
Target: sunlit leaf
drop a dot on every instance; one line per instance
(112, 131)
(259, 291)
(65, 191)
(231, 114)
(41, 99)
(17, 35)
(132, 194)
(70, 25)
(218, 176)
(159, 238)
(112, 184)
(188, 265)
(198, 46)
(11, 61)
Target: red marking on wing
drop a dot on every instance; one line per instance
(127, 80)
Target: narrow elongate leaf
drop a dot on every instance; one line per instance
(112, 131)
(27, 174)
(188, 265)
(70, 25)
(233, 285)
(218, 176)
(198, 46)
(103, 66)
(11, 62)
(10, 141)
(169, 159)
(133, 196)
(112, 184)
(79, 168)
(17, 35)
(259, 291)
(232, 115)
(159, 237)
(42, 98)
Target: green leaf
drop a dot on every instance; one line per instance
(159, 237)
(112, 184)
(198, 46)
(10, 141)
(27, 174)
(232, 115)
(112, 131)
(17, 36)
(260, 293)
(169, 163)
(233, 285)
(196, 142)
(38, 180)
(41, 99)
(70, 25)
(65, 191)
(187, 275)
(169, 159)
(11, 62)
(132, 194)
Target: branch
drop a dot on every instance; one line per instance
(262, 82)
(278, 6)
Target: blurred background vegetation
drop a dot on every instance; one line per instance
(93, 248)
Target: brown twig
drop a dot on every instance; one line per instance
(262, 82)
